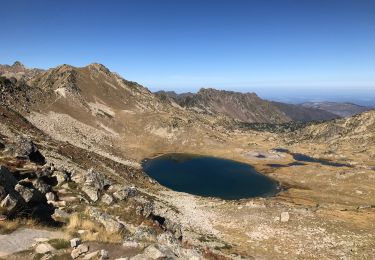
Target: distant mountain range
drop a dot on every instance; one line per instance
(244, 107)
(340, 109)
(249, 108)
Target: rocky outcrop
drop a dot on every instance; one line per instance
(94, 184)
(359, 130)
(109, 222)
(27, 193)
(245, 107)
(24, 148)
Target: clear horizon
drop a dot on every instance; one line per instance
(283, 49)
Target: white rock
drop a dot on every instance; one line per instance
(50, 196)
(75, 242)
(157, 251)
(104, 254)
(44, 248)
(284, 216)
(81, 249)
(91, 255)
(131, 244)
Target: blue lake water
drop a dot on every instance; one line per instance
(209, 176)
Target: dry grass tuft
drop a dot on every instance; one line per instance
(93, 230)
(8, 226)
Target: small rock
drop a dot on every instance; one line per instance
(61, 177)
(50, 196)
(131, 244)
(91, 255)
(60, 214)
(91, 192)
(104, 254)
(157, 251)
(26, 193)
(284, 216)
(80, 250)
(75, 242)
(125, 193)
(81, 231)
(9, 203)
(145, 207)
(107, 199)
(168, 239)
(44, 248)
(41, 186)
(146, 234)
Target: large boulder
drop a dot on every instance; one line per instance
(61, 176)
(10, 203)
(91, 192)
(109, 222)
(25, 148)
(7, 180)
(80, 250)
(94, 184)
(173, 227)
(145, 234)
(41, 186)
(157, 251)
(44, 248)
(168, 239)
(97, 180)
(28, 194)
(144, 207)
(10, 198)
(125, 192)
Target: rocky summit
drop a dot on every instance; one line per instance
(73, 141)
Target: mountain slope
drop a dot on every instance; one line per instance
(359, 129)
(304, 114)
(18, 71)
(340, 109)
(246, 107)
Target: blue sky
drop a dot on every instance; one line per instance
(268, 46)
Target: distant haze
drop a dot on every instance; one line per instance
(295, 95)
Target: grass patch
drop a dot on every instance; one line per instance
(93, 230)
(8, 226)
(59, 243)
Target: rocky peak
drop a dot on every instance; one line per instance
(99, 68)
(18, 64)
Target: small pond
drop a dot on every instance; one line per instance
(209, 176)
